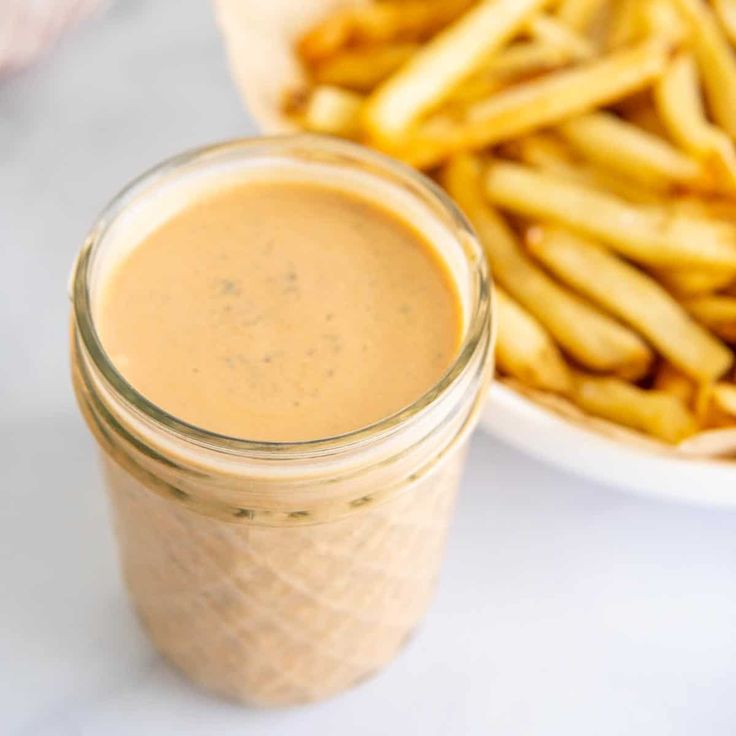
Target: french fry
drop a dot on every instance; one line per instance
(724, 396)
(726, 12)
(377, 23)
(717, 208)
(626, 26)
(518, 61)
(716, 405)
(690, 205)
(657, 413)
(575, 91)
(702, 404)
(677, 95)
(674, 382)
(660, 18)
(552, 32)
(524, 59)
(550, 155)
(724, 209)
(695, 283)
(579, 14)
(651, 236)
(542, 102)
(525, 350)
(333, 110)
(544, 151)
(631, 152)
(717, 313)
(429, 77)
(362, 69)
(593, 339)
(716, 60)
(634, 297)
(476, 87)
(610, 183)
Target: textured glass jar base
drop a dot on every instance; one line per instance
(282, 615)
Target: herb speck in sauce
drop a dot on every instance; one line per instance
(229, 287)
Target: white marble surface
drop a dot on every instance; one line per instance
(563, 608)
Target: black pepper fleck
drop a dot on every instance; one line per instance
(229, 287)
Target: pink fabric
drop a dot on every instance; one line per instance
(29, 27)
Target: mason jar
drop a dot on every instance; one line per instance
(280, 572)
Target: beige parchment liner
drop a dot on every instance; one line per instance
(259, 37)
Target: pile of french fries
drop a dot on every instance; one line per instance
(591, 144)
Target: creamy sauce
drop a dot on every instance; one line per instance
(281, 311)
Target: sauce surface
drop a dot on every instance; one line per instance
(281, 311)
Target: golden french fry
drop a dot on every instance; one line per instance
(333, 110)
(717, 208)
(695, 283)
(545, 151)
(541, 102)
(677, 95)
(429, 77)
(726, 12)
(634, 297)
(579, 14)
(653, 236)
(518, 61)
(609, 182)
(717, 313)
(672, 381)
(626, 25)
(657, 413)
(523, 59)
(724, 209)
(476, 87)
(362, 69)
(690, 205)
(575, 91)
(660, 18)
(559, 35)
(716, 60)
(593, 339)
(377, 23)
(716, 405)
(617, 145)
(702, 403)
(550, 155)
(724, 396)
(525, 350)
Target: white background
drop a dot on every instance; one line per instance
(564, 607)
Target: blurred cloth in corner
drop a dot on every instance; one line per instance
(28, 28)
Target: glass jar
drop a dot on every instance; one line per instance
(277, 573)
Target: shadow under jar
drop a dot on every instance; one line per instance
(281, 572)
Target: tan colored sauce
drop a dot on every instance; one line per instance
(281, 311)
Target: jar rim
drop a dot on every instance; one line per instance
(480, 316)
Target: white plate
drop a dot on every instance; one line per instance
(541, 433)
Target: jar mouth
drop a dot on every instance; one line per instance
(479, 314)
